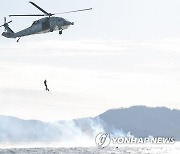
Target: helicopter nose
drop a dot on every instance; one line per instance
(69, 23)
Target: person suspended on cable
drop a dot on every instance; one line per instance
(45, 83)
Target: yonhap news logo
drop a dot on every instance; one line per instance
(104, 139)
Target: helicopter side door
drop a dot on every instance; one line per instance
(46, 25)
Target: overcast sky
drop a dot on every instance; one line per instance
(122, 53)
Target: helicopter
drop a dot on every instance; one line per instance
(44, 25)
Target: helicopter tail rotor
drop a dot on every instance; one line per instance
(5, 23)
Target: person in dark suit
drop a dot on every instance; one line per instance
(45, 83)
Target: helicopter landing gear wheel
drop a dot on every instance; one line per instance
(18, 39)
(60, 32)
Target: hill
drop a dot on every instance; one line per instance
(144, 121)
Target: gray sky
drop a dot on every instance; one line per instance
(122, 53)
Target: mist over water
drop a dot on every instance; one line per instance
(73, 136)
(84, 132)
(73, 133)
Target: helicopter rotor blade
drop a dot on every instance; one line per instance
(74, 11)
(4, 23)
(9, 22)
(46, 13)
(28, 15)
(49, 14)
